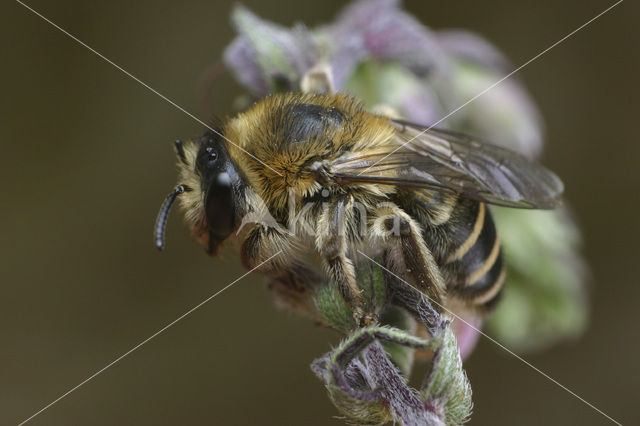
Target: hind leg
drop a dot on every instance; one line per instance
(392, 227)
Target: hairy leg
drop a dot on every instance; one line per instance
(334, 238)
(261, 242)
(393, 228)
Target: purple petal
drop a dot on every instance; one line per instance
(421, 106)
(505, 114)
(466, 334)
(466, 45)
(266, 54)
(380, 29)
(241, 59)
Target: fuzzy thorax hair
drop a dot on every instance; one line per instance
(291, 132)
(275, 143)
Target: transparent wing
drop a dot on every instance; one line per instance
(449, 161)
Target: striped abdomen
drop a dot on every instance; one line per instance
(463, 238)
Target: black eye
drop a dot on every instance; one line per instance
(212, 155)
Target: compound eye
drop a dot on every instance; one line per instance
(212, 155)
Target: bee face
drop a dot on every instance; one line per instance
(221, 184)
(212, 191)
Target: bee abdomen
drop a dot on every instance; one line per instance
(475, 267)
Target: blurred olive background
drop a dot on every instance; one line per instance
(86, 160)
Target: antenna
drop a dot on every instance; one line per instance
(163, 215)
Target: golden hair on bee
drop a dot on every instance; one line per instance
(292, 131)
(357, 182)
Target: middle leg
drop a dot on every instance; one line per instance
(334, 241)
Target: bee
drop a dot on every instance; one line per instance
(336, 181)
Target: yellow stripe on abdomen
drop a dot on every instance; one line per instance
(486, 266)
(493, 291)
(472, 238)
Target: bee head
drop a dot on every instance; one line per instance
(221, 185)
(210, 194)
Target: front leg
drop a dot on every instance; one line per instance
(260, 243)
(333, 241)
